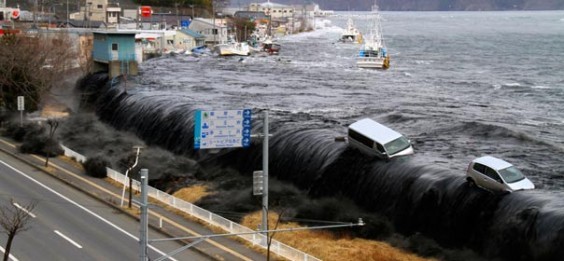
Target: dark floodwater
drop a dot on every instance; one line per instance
(461, 85)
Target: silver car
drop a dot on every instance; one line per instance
(496, 175)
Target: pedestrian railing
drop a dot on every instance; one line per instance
(204, 215)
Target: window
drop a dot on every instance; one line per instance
(114, 46)
(397, 145)
(214, 31)
(380, 148)
(100, 6)
(492, 174)
(479, 168)
(360, 138)
(511, 174)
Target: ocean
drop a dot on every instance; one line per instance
(461, 85)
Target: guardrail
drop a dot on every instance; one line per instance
(204, 215)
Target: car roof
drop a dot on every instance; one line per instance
(493, 162)
(375, 131)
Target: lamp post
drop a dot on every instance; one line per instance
(138, 148)
(67, 14)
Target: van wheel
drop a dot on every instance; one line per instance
(471, 182)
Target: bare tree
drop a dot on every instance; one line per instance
(13, 220)
(31, 65)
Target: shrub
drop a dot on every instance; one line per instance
(96, 166)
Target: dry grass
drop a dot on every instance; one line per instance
(319, 243)
(193, 193)
(326, 246)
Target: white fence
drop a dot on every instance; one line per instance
(204, 215)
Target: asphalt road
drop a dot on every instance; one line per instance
(69, 225)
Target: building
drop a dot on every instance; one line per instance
(186, 39)
(214, 33)
(115, 52)
(273, 9)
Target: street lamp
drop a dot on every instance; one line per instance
(138, 148)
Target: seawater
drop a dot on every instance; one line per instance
(461, 85)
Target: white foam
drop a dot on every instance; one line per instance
(541, 87)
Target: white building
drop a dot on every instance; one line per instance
(273, 9)
(215, 34)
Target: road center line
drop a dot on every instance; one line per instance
(67, 238)
(24, 210)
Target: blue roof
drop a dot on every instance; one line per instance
(192, 33)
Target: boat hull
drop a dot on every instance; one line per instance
(373, 62)
(239, 49)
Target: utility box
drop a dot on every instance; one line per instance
(258, 182)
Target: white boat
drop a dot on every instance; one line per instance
(232, 47)
(351, 34)
(373, 53)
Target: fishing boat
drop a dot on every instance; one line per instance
(232, 47)
(373, 52)
(351, 34)
(270, 47)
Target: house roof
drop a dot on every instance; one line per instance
(86, 24)
(192, 33)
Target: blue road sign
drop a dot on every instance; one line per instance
(222, 129)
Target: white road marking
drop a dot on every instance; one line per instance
(11, 256)
(82, 207)
(67, 238)
(24, 210)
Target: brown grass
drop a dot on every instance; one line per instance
(193, 193)
(319, 243)
(327, 246)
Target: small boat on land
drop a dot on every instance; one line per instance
(351, 34)
(373, 53)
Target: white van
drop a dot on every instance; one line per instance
(374, 138)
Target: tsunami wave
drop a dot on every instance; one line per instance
(418, 198)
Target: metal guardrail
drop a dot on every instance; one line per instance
(204, 215)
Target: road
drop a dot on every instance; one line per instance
(69, 225)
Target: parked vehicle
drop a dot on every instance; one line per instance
(376, 139)
(496, 175)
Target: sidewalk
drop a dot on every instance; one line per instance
(160, 219)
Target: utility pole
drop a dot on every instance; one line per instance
(265, 175)
(144, 218)
(214, 30)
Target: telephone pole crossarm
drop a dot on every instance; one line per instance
(359, 223)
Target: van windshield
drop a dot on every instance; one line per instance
(397, 145)
(511, 174)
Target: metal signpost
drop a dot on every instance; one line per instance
(222, 129)
(21, 108)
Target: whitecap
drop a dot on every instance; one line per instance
(541, 87)
(512, 84)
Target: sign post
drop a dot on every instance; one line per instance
(21, 108)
